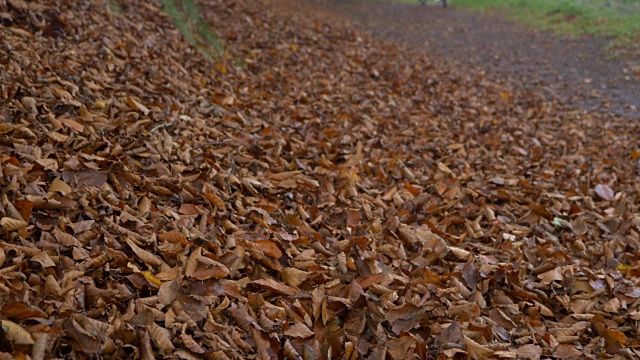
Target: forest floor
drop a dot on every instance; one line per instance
(282, 185)
(583, 72)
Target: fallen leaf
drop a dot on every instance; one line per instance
(175, 237)
(9, 224)
(274, 286)
(294, 277)
(530, 351)
(477, 351)
(299, 330)
(60, 187)
(604, 192)
(16, 334)
(144, 255)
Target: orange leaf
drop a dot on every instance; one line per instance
(24, 207)
(175, 237)
(269, 248)
(190, 209)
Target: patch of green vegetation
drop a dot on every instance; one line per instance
(114, 7)
(618, 19)
(187, 19)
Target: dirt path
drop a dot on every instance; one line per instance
(577, 72)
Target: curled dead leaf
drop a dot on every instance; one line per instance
(274, 286)
(16, 334)
(175, 237)
(59, 186)
(161, 338)
(299, 330)
(144, 255)
(168, 292)
(294, 277)
(461, 254)
(10, 224)
(477, 351)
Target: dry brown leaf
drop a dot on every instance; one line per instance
(191, 344)
(48, 164)
(145, 346)
(16, 334)
(529, 351)
(567, 351)
(144, 206)
(452, 334)
(21, 310)
(175, 237)
(294, 277)
(477, 351)
(168, 292)
(459, 253)
(59, 186)
(192, 262)
(290, 352)
(299, 330)
(274, 286)
(86, 340)
(214, 199)
(39, 350)
(551, 275)
(73, 125)
(24, 208)
(137, 105)
(52, 288)
(269, 248)
(161, 338)
(66, 239)
(144, 255)
(10, 224)
(353, 218)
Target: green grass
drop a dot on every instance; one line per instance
(114, 7)
(197, 32)
(618, 19)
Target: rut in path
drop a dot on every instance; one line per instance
(577, 72)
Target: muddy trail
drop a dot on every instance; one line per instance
(578, 72)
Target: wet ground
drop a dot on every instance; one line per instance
(579, 72)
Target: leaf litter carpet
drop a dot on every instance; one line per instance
(312, 193)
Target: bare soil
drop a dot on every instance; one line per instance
(578, 72)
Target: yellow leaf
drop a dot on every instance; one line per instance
(220, 67)
(623, 267)
(151, 278)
